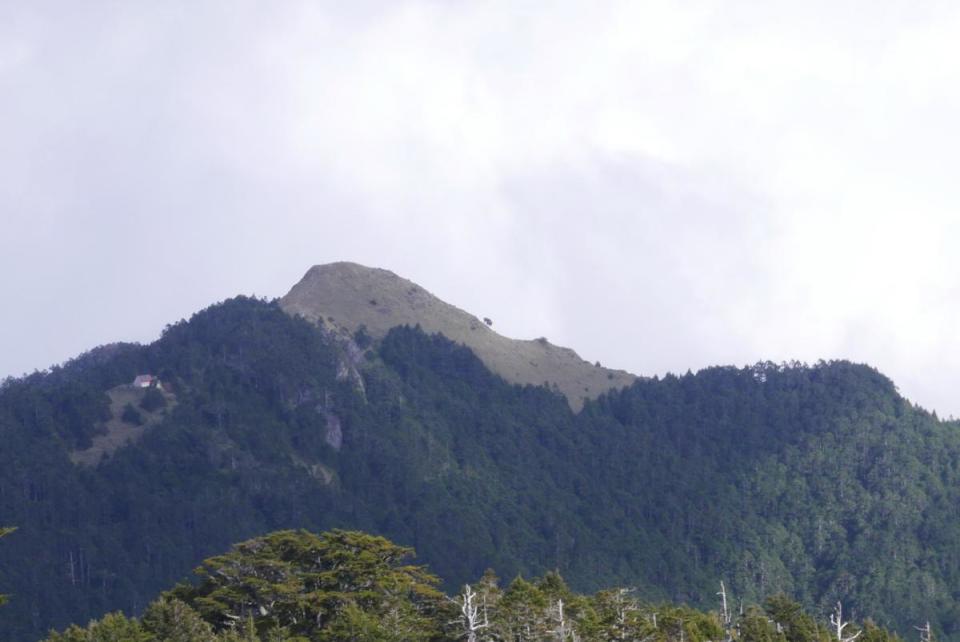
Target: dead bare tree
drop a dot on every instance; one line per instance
(926, 633)
(470, 614)
(563, 629)
(836, 619)
(727, 619)
(623, 604)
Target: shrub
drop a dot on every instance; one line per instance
(362, 337)
(152, 400)
(131, 416)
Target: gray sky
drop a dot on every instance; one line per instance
(661, 186)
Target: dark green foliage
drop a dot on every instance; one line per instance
(131, 416)
(171, 620)
(522, 612)
(114, 627)
(302, 583)
(795, 624)
(874, 633)
(755, 626)
(362, 337)
(617, 616)
(353, 624)
(153, 399)
(4, 531)
(682, 623)
(817, 481)
(345, 586)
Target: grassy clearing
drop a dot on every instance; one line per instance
(119, 433)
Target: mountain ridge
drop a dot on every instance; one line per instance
(816, 480)
(344, 296)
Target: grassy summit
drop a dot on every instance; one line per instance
(346, 296)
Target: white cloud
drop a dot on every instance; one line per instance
(658, 185)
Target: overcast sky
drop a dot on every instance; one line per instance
(662, 186)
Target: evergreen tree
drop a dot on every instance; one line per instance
(797, 626)
(113, 627)
(815, 480)
(755, 626)
(522, 613)
(619, 617)
(4, 531)
(171, 620)
(305, 582)
(874, 633)
(356, 581)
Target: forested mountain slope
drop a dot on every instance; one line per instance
(820, 481)
(345, 586)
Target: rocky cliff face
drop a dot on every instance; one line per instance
(345, 296)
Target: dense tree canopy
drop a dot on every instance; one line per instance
(346, 586)
(818, 481)
(301, 582)
(4, 531)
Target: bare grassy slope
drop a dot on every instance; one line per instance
(118, 433)
(344, 296)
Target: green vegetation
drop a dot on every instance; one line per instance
(819, 482)
(300, 582)
(152, 400)
(341, 586)
(131, 416)
(4, 531)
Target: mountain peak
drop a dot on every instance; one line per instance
(344, 296)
